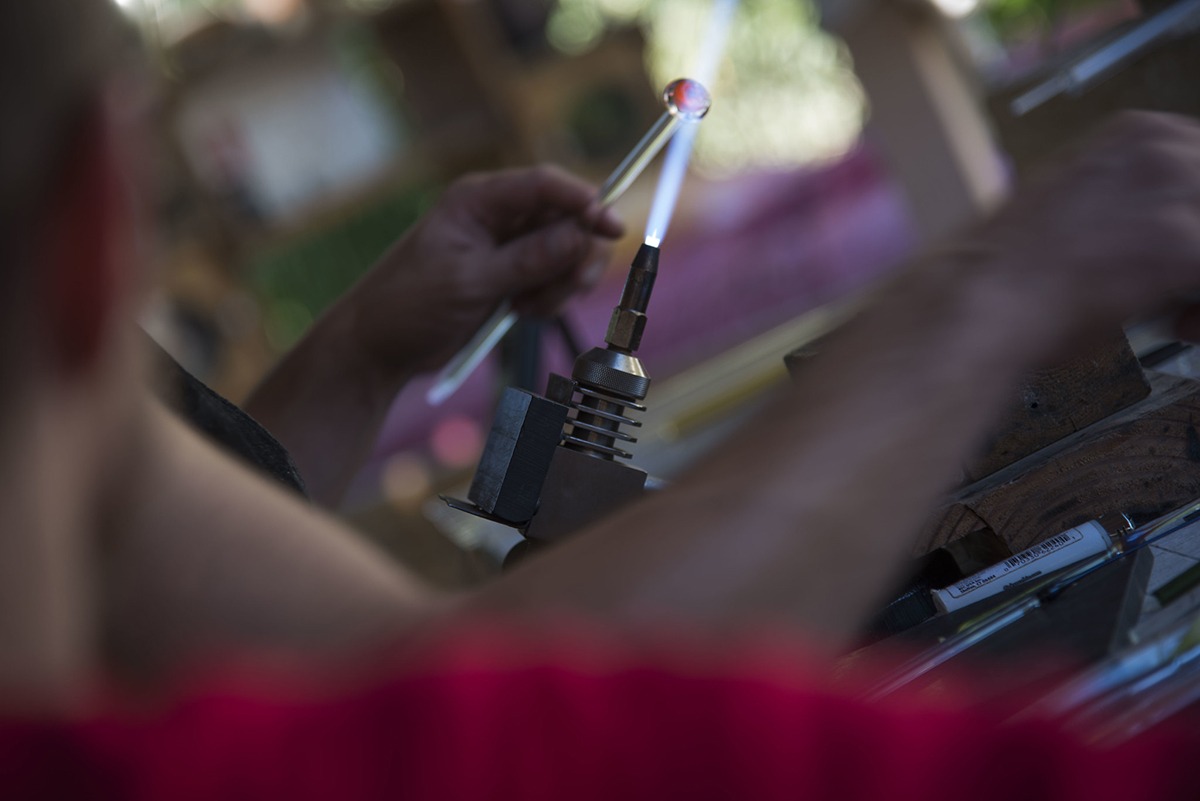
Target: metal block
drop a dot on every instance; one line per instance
(581, 489)
(525, 433)
(560, 389)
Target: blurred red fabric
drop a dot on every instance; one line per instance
(511, 713)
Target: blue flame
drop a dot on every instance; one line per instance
(670, 181)
(679, 152)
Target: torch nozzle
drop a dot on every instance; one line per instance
(640, 281)
(628, 319)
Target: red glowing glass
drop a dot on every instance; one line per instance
(687, 98)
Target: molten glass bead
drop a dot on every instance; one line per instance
(687, 99)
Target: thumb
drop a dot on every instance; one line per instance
(541, 257)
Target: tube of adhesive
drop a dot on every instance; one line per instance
(1061, 550)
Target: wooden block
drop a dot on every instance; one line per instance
(1056, 403)
(1143, 461)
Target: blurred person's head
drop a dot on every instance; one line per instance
(69, 271)
(56, 56)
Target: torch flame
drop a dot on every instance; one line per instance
(692, 107)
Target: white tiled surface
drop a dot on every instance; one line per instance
(1185, 543)
(1173, 554)
(1179, 551)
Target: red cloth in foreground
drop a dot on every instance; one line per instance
(529, 715)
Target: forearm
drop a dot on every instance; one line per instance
(214, 559)
(326, 402)
(807, 515)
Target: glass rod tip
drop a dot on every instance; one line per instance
(687, 99)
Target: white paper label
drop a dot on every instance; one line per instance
(1047, 556)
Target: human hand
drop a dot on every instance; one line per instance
(532, 235)
(1113, 233)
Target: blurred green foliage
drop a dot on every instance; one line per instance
(1022, 17)
(296, 281)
